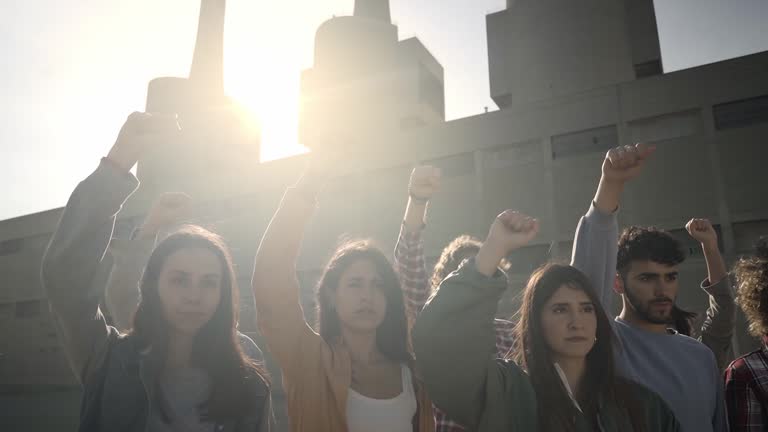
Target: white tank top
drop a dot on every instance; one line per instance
(366, 414)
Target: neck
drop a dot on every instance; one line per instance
(179, 354)
(629, 315)
(574, 370)
(362, 346)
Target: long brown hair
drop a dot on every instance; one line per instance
(392, 336)
(556, 411)
(216, 348)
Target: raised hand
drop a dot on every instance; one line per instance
(620, 165)
(511, 230)
(170, 209)
(624, 163)
(424, 183)
(702, 231)
(140, 131)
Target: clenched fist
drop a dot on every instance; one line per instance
(140, 131)
(624, 163)
(511, 230)
(702, 231)
(170, 209)
(425, 181)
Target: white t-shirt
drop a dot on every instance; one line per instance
(366, 414)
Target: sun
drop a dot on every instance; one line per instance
(271, 95)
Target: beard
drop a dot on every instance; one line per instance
(643, 309)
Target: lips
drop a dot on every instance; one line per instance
(576, 339)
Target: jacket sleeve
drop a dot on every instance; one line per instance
(455, 348)
(276, 289)
(129, 257)
(594, 252)
(717, 329)
(72, 261)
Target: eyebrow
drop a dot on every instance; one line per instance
(183, 273)
(675, 273)
(587, 303)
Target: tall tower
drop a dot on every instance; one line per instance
(216, 150)
(539, 49)
(364, 81)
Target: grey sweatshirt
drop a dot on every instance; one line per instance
(682, 370)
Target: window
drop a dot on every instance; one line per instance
(741, 113)
(584, 142)
(691, 247)
(28, 309)
(12, 246)
(517, 153)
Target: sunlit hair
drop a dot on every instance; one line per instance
(216, 347)
(392, 336)
(533, 354)
(458, 250)
(752, 292)
(647, 244)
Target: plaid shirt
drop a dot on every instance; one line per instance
(746, 391)
(411, 267)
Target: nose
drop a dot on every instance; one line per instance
(575, 321)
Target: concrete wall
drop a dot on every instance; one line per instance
(543, 158)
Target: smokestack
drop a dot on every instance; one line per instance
(207, 73)
(373, 9)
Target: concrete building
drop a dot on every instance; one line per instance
(540, 154)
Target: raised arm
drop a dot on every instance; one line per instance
(275, 286)
(78, 245)
(717, 329)
(454, 338)
(131, 256)
(596, 241)
(409, 262)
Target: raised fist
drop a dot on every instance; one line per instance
(170, 209)
(425, 181)
(702, 231)
(140, 131)
(511, 230)
(625, 162)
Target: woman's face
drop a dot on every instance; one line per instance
(190, 288)
(359, 299)
(569, 323)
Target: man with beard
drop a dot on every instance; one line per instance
(643, 269)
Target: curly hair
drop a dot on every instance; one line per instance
(752, 292)
(458, 250)
(647, 244)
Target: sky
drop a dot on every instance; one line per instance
(73, 70)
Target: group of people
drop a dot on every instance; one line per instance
(395, 347)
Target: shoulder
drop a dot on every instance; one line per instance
(748, 367)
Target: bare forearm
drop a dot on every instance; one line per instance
(608, 195)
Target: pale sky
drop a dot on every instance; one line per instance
(73, 70)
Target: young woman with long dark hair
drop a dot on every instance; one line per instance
(356, 373)
(181, 367)
(563, 379)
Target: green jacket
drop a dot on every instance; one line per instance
(456, 354)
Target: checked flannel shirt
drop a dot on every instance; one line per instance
(746, 391)
(411, 267)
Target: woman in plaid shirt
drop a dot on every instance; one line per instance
(411, 266)
(746, 379)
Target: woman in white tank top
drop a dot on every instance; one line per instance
(365, 414)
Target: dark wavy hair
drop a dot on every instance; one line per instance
(533, 354)
(216, 348)
(647, 244)
(392, 335)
